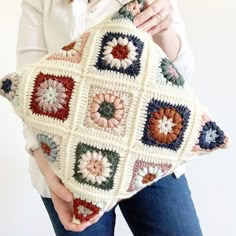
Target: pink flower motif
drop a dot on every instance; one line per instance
(51, 95)
(107, 110)
(95, 167)
(173, 71)
(133, 8)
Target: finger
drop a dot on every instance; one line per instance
(78, 228)
(164, 13)
(60, 190)
(150, 11)
(64, 211)
(69, 225)
(153, 21)
(163, 25)
(82, 226)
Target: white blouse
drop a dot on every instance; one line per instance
(47, 25)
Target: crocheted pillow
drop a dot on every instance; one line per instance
(111, 113)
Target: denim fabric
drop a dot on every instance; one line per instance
(164, 208)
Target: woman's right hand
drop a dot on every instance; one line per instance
(62, 198)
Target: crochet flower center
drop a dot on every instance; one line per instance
(95, 167)
(211, 136)
(106, 110)
(173, 71)
(50, 95)
(46, 148)
(69, 46)
(120, 52)
(84, 211)
(165, 125)
(148, 177)
(6, 85)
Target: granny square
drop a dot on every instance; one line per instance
(95, 167)
(165, 125)
(108, 108)
(121, 53)
(51, 96)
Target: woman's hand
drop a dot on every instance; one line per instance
(156, 17)
(62, 198)
(64, 210)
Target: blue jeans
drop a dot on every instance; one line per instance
(164, 208)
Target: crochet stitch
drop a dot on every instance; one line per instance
(111, 113)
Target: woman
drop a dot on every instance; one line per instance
(165, 207)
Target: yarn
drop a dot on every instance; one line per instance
(111, 113)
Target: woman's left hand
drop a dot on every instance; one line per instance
(156, 17)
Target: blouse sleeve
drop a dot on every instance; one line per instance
(185, 61)
(31, 47)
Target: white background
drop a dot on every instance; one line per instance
(211, 28)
